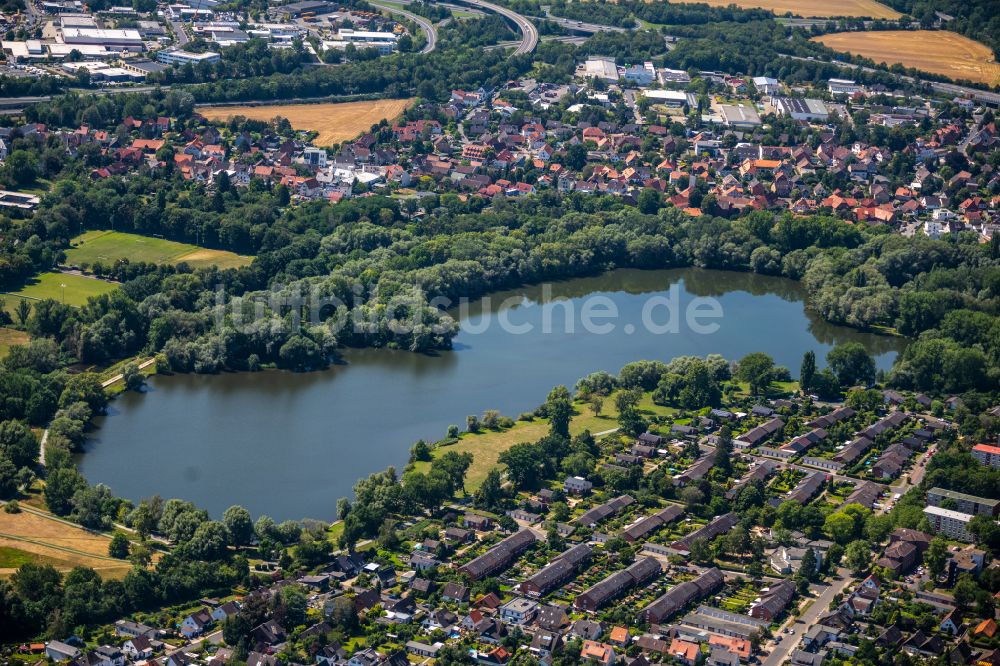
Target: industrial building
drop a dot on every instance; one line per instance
(385, 42)
(672, 98)
(739, 116)
(801, 109)
(601, 68)
(129, 40)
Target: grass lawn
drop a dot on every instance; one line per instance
(40, 187)
(49, 285)
(776, 389)
(109, 246)
(10, 337)
(13, 558)
(487, 446)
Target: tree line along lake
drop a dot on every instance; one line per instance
(289, 444)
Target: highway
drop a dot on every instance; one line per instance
(424, 24)
(529, 33)
(943, 88)
(580, 26)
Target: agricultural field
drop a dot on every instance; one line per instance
(28, 536)
(815, 8)
(335, 123)
(64, 287)
(935, 51)
(109, 246)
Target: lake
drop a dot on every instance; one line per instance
(289, 444)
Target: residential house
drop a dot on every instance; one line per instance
(196, 623)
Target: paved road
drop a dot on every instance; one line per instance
(581, 26)
(180, 34)
(529, 33)
(214, 638)
(819, 606)
(424, 24)
(117, 378)
(808, 23)
(566, 39)
(790, 641)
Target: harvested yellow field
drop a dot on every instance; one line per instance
(334, 122)
(935, 51)
(55, 542)
(815, 8)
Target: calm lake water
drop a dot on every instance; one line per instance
(290, 444)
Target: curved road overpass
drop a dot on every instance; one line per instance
(529, 33)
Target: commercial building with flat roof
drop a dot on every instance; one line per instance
(385, 42)
(33, 49)
(739, 115)
(666, 76)
(843, 87)
(18, 200)
(602, 68)
(112, 39)
(77, 21)
(801, 109)
(144, 67)
(100, 71)
(304, 7)
(181, 57)
(675, 98)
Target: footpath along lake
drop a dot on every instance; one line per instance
(289, 445)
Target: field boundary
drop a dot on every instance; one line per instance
(332, 122)
(328, 99)
(108, 246)
(939, 52)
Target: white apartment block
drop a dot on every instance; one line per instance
(951, 524)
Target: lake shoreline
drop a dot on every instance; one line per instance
(314, 434)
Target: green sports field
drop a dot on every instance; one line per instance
(50, 285)
(108, 247)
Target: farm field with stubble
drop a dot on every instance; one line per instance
(815, 8)
(935, 51)
(335, 123)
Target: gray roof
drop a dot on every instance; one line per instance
(680, 595)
